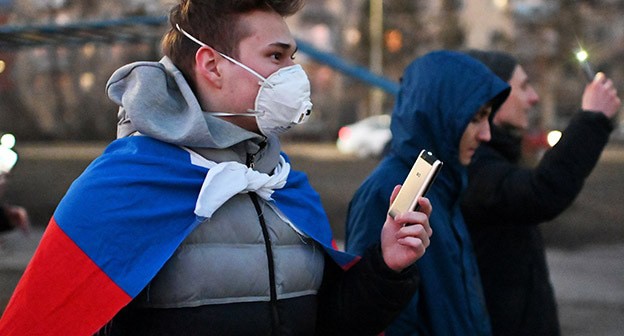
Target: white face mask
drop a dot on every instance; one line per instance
(283, 99)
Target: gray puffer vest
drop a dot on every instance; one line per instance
(247, 251)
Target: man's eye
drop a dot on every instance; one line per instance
(277, 56)
(482, 114)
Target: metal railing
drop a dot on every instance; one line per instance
(132, 29)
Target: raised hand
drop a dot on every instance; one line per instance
(601, 96)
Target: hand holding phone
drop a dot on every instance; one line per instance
(418, 181)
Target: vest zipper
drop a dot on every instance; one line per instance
(275, 320)
(271, 263)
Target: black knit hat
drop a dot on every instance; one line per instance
(501, 63)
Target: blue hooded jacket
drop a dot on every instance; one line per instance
(440, 94)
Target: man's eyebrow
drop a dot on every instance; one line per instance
(527, 80)
(285, 46)
(486, 109)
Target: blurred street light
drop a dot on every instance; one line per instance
(394, 40)
(553, 137)
(7, 140)
(8, 157)
(87, 80)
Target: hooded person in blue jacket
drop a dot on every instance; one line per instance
(443, 106)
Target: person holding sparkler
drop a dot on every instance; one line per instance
(504, 202)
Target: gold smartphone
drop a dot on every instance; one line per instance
(418, 181)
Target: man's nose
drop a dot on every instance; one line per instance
(484, 132)
(533, 97)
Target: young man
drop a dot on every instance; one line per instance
(444, 104)
(505, 202)
(192, 221)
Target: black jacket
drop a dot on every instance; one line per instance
(502, 207)
(360, 301)
(5, 221)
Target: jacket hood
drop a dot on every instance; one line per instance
(155, 99)
(439, 95)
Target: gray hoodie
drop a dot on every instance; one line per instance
(155, 99)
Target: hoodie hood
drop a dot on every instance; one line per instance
(155, 99)
(439, 95)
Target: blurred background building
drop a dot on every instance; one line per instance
(56, 91)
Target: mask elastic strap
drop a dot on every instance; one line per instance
(249, 113)
(192, 38)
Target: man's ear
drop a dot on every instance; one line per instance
(207, 65)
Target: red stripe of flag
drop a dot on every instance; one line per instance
(62, 292)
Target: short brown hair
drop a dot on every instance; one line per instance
(216, 23)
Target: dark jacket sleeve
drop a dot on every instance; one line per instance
(5, 222)
(500, 191)
(365, 299)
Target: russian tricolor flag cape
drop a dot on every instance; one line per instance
(115, 228)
